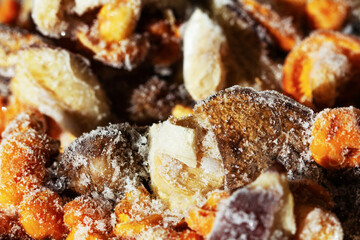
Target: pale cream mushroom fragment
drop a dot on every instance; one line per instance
(62, 86)
(204, 50)
(11, 41)
(49, 18)
(183, 175)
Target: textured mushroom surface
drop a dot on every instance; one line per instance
(105, 160)
(256, 129)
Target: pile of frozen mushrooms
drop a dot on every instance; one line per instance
(160, 119)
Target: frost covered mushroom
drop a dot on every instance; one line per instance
(88, 218)
(319, 223)
(112, 39)
(137, 213)
(110, 36)
(184, 162)
(256, 129)
(248, 62)
(202, 219)
(49, 17)
(322, 71)
(11, 42)
(282, 30)
(204, 50)
(105, 161)
(62, 86)
(24, 151)
(262, 210)
(154, 100)
(41, 215)
(336, 138)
